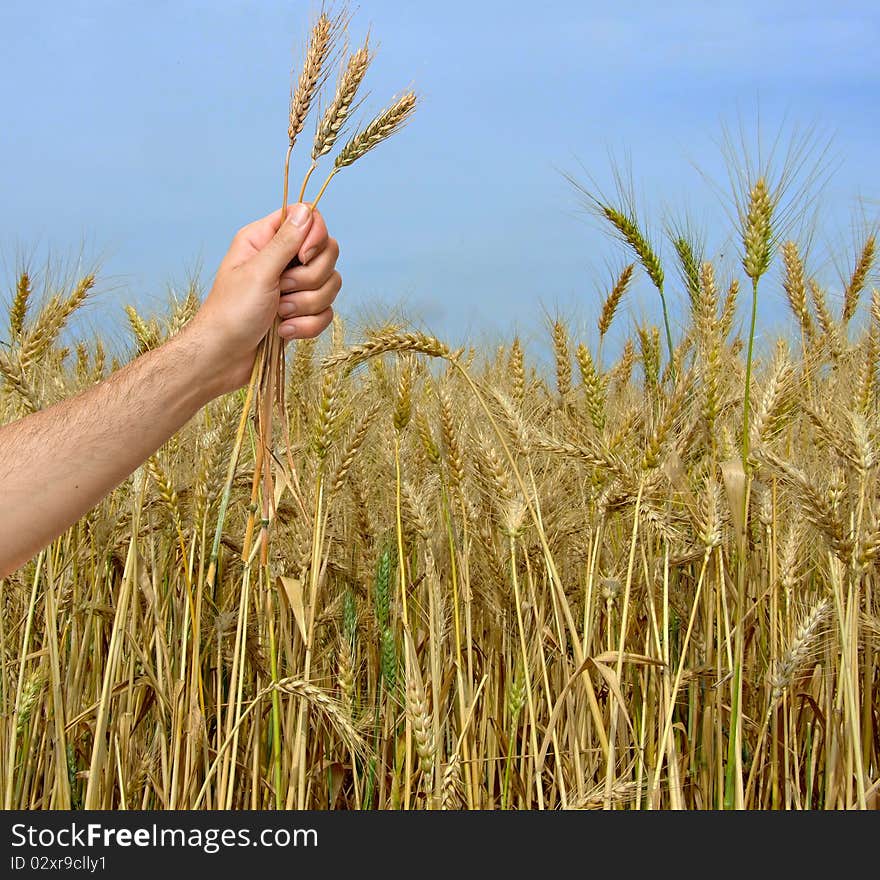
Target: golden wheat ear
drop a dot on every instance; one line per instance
(340, 108)
(388, 122)
(324, 36)
(321, 42)
(18, 309)
(612, 301)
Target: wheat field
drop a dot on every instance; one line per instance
(487, 585)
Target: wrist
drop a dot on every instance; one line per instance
(199, 365)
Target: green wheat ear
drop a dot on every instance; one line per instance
(758, 230)
(383, 588)
(349, 617)
(690, 267)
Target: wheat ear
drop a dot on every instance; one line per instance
(801, 647)
(339, 109)
(629, 231)
(795, 286)
(389, 121)
(594, 391)
(18, 309)
(857, 280)
(562, 356)
(612, 301)
(690, 266)
(757, 236)
(51, 321)
(310, 79)
(387, 340)
(757, 230)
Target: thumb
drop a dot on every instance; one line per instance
(289, 238)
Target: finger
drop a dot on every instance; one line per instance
(315, 241)
(290, 237)
(311, 302)
(305, 327)
(252, 238)
(312, 276)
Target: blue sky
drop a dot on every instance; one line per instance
(144, 133)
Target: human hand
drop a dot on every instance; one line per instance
(253, 285)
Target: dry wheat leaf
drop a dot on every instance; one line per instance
(292, 588)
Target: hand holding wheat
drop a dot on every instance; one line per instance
(305, 268)
(253, 290)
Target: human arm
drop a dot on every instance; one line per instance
(56, 464)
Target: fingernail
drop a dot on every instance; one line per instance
(307, 255)
(300, 214)
(286, 332)
(287, 309)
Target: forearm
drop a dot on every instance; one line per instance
(57, 464)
